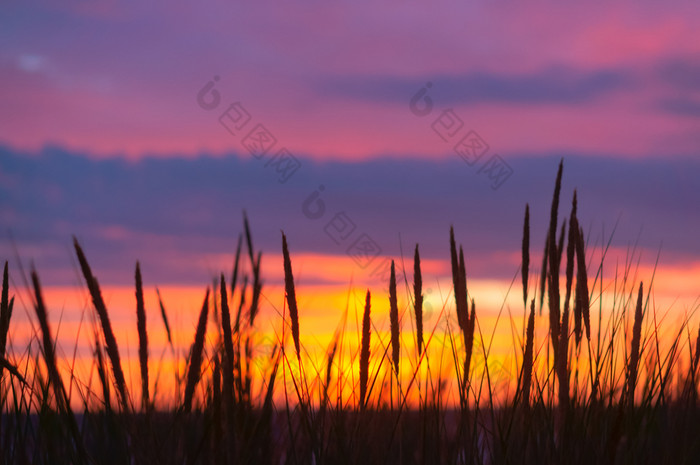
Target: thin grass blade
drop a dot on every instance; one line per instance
(525, 267)
(634, 349)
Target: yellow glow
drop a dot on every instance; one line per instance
(333, 308)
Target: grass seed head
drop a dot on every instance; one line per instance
(143, 338)
(394, 320)
(291, 295)
(418, 300)
(364, 351)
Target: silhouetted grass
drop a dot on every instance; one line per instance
(627, 394)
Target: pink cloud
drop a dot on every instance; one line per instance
(118, 79)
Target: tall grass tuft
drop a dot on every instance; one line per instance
(48, 346)
(418, 300)
(143, 339)
(465, 320)
(196, 355)
(459, 285)
(291, 295)
(110, 340)
(578, 408)
(364, 352)
(553, 265)
(76, 446)
(633, 363)
(394, 321)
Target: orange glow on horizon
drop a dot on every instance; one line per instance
(334, 310)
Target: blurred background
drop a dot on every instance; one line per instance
(358, 129)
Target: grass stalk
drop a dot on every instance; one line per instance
(291, 296)
(164, 317)
(5, 313)
(418, 300)
(528, 355)
(364, 352)
(229, 355)
(525, 267)
(394, 322)
(143, 339)
(110, 340)
(633, 363)
(196, 352)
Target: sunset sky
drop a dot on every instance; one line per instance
(402, 118)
